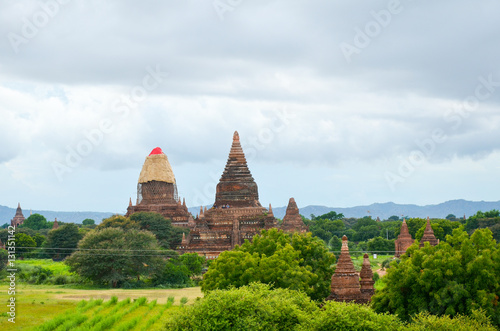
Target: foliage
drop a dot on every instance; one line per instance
(24, 244)
(88, 221)
(174, 273)
(294, 261)
(39, 239)
(193, 262)
(36, 222)
(252, 307)
(4, 258)
(455, 277)
(118, 221)
(259, 307)
(168, 236)
(380, 245)
(350, 316)
(490, 219)
(113, 256)
(477, 321)
(63, 241)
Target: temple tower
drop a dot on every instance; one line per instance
(292, 222)
(345, 281)
(236, 187)
(157, 190)
(19, 217)
(236, 215)
(429, 235)
(404, 240)
(366, 282)
(56, 225)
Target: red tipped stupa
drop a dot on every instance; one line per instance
(156, 151)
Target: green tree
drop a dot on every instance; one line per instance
(174, 273)
(252, 307)
(36, 222)
(113, 256)
(380, 245)
(88, 221)
(335, 244)
(193, 262)
(325, 228)
(455, 277)
(63, 241)
(118, 221)
(168, 236)
(294, 261)
(39, 239)
(24, 245)
(4, 258)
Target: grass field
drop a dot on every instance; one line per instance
(36, 304)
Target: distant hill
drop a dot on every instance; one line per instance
(6, 214)
(458, 208)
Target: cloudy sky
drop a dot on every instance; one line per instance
(338, 103)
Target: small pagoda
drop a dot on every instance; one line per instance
(19, 217)
(404, 240)
(157, 191)
(292, 222)
(346, 285)
(429, 235)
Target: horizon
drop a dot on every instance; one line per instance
(337, 104)
(274, 207)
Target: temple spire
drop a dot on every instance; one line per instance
(236, 187)
(292, 220)
(428, 235)
(271, 210)
(130, 202)
(56, 225)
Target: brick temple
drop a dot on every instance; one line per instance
(429, 235)
(292, 220)
(404, 240)
(346, 283)
(236, 214)
(19, 217)
(157, 191)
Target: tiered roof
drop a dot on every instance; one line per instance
(237, 187)
(292, 220)
(428, 235)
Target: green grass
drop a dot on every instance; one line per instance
(57, 268)
(124, 316)
(37, 304)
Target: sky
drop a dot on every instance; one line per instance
(337, 103)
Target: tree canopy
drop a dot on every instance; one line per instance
(36, 222)
(456, 277)
(63, 241)
(294, 261)
(114, 256)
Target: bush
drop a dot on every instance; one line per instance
(252, 307)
